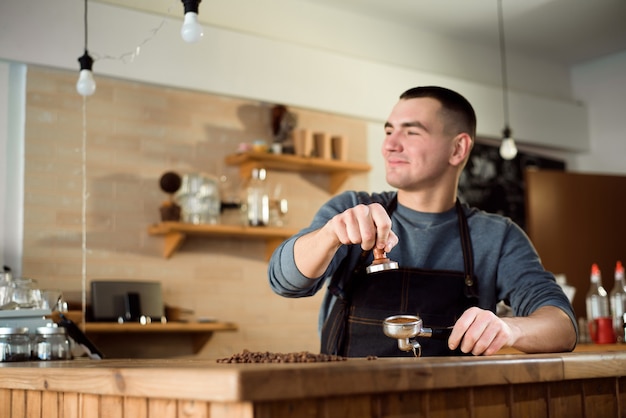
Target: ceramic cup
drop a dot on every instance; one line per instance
(601, 330)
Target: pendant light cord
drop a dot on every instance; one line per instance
(86, 25)
(505, 84)
(84, 201)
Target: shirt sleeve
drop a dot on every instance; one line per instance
(284, 277)
(523, 282)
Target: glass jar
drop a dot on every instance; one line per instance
(25, 293)
(199, 198)
(14, 344)
(51, 343)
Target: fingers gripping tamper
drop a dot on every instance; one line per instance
(381, 262)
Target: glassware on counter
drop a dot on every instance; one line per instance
(25, 293)
(598, 312)
(14, 344)
(618, 302)
(51, 343)
(6, 293)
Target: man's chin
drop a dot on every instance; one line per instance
(392, 181)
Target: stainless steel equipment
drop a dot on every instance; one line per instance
(381, 262)
(405, 327)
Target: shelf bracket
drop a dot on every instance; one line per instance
(173, 241)
(245, 169)
(336, 180)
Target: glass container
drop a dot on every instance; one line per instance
(51, 343)
(14, 344)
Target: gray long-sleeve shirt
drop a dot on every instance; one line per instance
(506, 264)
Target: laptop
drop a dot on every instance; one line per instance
(126, 301)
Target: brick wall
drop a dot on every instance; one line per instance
(134, 133)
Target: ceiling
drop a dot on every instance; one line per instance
(566, 31)
(569, 32)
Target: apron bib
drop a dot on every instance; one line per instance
(438, 297)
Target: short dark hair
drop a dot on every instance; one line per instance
(458, 111)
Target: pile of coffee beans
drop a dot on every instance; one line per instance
(247, 356)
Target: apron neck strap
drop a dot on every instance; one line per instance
(471, 287)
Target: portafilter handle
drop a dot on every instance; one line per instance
(436, 333)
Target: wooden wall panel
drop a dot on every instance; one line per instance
(34, 406)
(136, 407)
(5, 402)
(599, 397)
(574, 220)
(530, 401)
(566, 398)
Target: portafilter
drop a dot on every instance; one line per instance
(405, 327)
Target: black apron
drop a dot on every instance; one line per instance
(354, 325)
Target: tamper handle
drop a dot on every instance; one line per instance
(381, 262)
(379, 254)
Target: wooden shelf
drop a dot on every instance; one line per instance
(154, 339)
(339, 171)
(176, 232)
(158, 327)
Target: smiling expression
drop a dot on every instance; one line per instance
(417, 149)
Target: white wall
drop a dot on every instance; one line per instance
(307, 57)
(271, 69)
(602, 85)
(12, 105)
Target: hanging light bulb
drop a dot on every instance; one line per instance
(508, 150)
(86, 85)
(192, 30)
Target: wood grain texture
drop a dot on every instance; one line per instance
(555, 385)
(205, 379)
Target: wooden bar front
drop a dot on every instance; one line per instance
(586, 384)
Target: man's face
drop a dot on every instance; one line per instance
(416, 149)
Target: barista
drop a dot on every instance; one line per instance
(456, 262)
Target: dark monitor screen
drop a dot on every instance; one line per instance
(115, 299)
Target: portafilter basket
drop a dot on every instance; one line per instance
(405, 327)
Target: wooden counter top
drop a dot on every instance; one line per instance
(512, 385)
(211, 381)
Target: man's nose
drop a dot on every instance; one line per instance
(392, 142)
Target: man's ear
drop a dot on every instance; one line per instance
(462, 145)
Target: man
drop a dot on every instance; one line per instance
(456, 263)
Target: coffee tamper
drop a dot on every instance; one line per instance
(381, 262)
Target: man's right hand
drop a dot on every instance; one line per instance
(367, 225)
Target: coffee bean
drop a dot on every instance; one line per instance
(247, 356)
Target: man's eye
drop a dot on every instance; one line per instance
(412, 133)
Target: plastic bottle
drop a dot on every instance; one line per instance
(257, 199)
(597, 302)
(618, 302)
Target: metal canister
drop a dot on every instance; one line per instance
(14, 344)
(51, 343)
